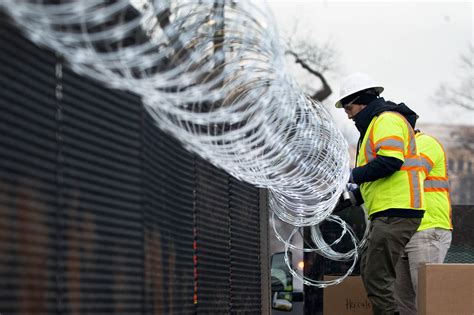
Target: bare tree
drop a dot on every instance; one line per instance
(461, 95)
(316, 59)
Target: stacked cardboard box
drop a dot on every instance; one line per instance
(446, 289)
(443, 289)
(348, 297)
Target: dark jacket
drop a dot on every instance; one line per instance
(378, 106)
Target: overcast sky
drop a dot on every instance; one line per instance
(409, 47)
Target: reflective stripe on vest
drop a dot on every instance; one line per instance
(433, 183)
(412, 164)
(426, 163)
(415, 189)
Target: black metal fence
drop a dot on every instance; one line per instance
(102, 213)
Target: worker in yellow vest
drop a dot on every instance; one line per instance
(389, 173)
(433, 238)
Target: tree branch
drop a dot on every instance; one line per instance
(326, 90)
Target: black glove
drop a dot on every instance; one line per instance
(346, 200)
(342, 204)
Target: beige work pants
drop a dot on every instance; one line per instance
(427, 246)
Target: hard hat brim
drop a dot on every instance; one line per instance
(338, 104)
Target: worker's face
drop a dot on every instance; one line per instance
(353, 109)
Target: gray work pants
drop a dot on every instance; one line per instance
(386, 242)
(427, 246)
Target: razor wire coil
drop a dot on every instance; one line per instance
(211, 73)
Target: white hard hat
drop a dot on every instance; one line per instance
(354, 83)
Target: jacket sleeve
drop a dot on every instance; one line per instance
(380, 167)
(389, 144)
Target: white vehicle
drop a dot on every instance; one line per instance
(284, 298)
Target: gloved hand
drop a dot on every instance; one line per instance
(347, 199)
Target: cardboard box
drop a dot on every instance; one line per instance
(446, 289)
(348, 297)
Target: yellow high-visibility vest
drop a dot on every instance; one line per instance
(436, 186)
(390, 134)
